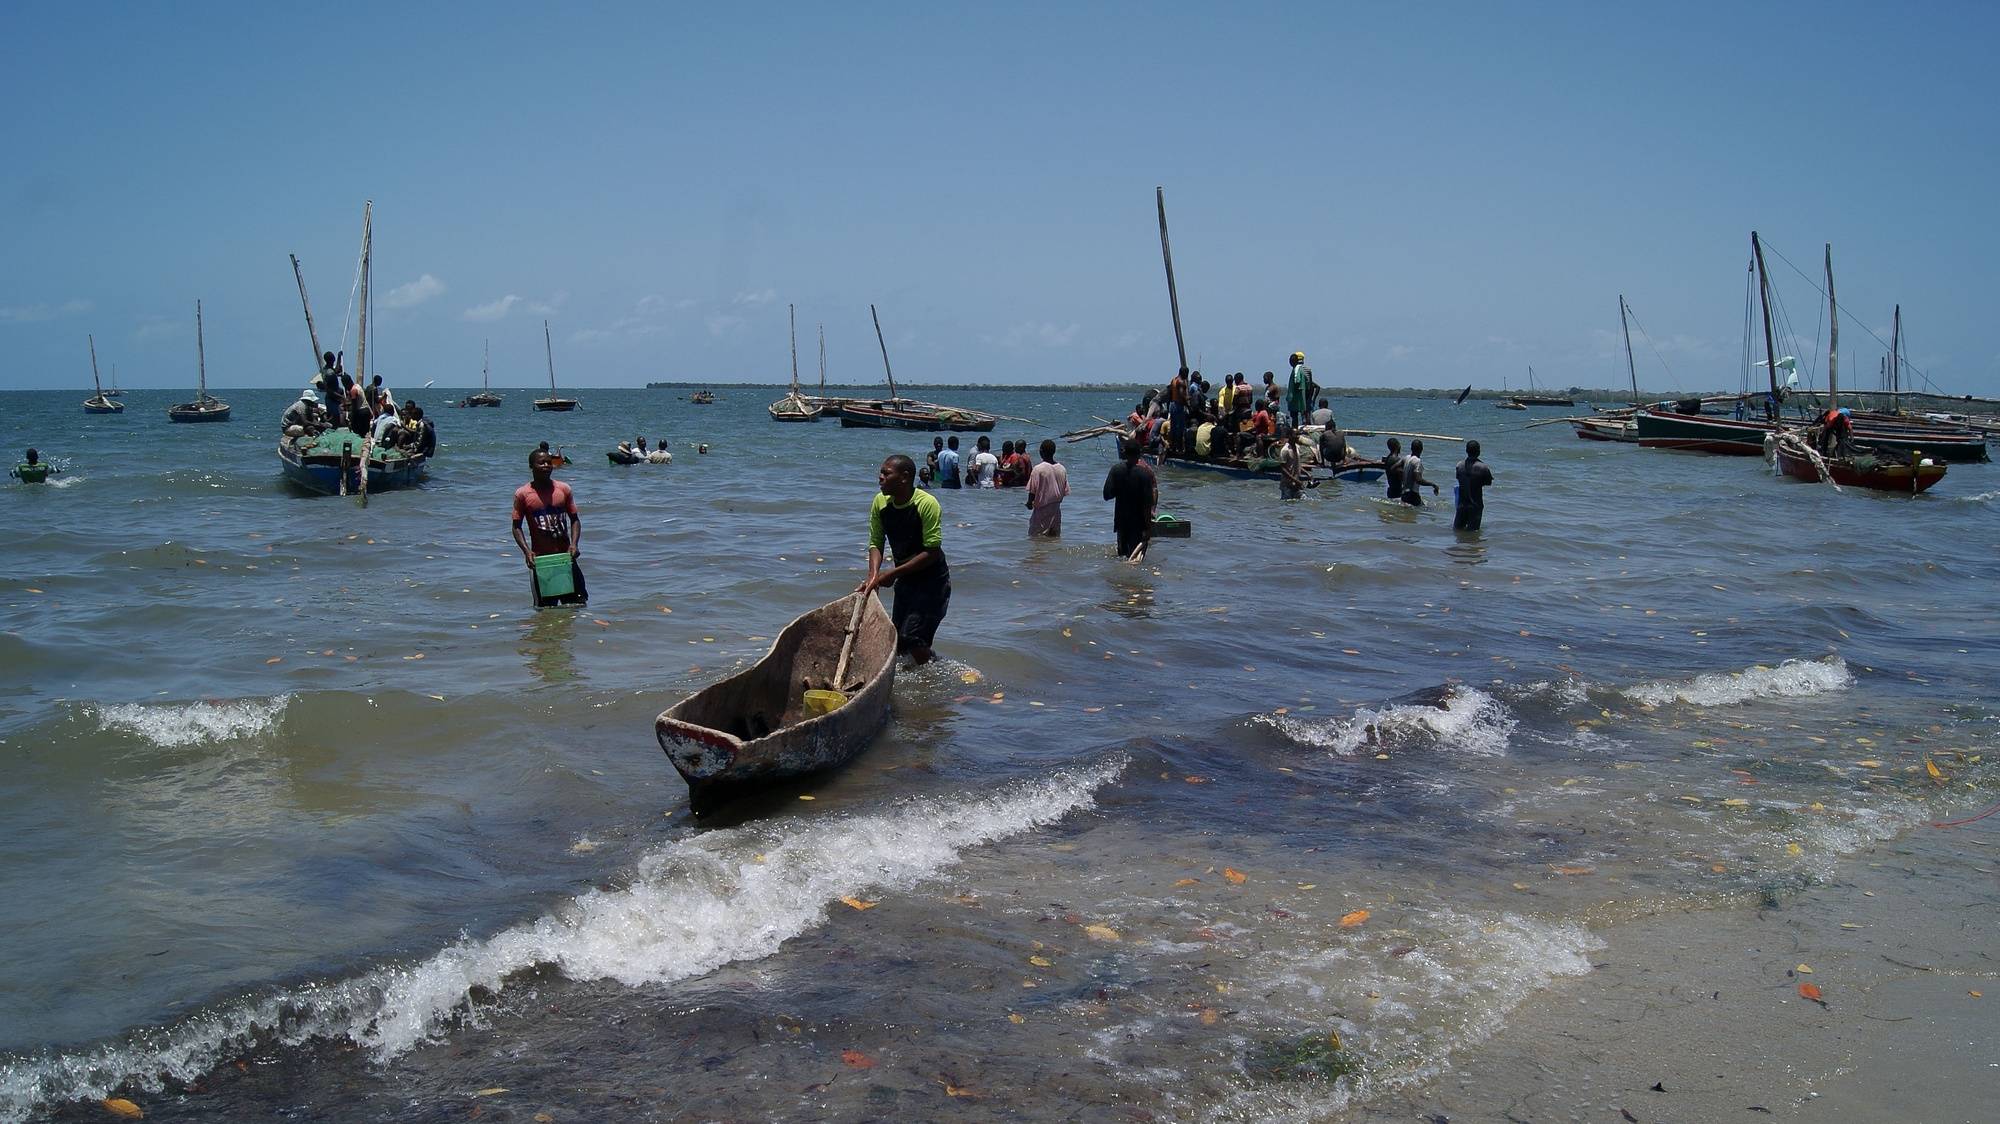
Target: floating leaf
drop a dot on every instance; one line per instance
(1100, 932)
(1794, 849)
(418, 656)
(1869, 764)
(1572, 870)
(1041, 962)
(1187, 882)
(1308, 886)
(1810, 991)
(1350, 920)
(855, 1059)
(803, 796)
(857, 903)
(1017, 1020)
(1197, 780)
(32, 589)
(1804, 970)
(119, 1106)
(969, 676)
(1736, 802)
(951, 1090)
(1976, 995)
(493, 1092)
(1931, 767)
(1234, 875)
(1208, 1016)
(274, 659)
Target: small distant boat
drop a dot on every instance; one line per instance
(1508, 404)
(793, 407)
(485, 397)
(99, 404)
(896, 412)
(1534, 398)
(554, 401)
(754, 728)
(1615, 425)
(701, 398)
(113, 391)
(205, 407)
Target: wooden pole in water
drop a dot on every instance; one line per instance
(1173, 295)
(885, 353)
(312, 333)
(822, 360)
(200, 356)
(1626, 324)
(1833, 344)
(361, 336)
(792, 311)
(549, 349)
(1764, 301)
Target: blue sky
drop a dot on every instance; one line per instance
(1425, 195)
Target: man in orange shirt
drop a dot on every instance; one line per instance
(549, 509)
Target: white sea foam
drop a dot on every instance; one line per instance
(1982, 497)
(1791, 679)
(1476, 968)
(693, 906)
(1471, 721)
(180, 724)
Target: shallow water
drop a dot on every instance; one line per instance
(309, 788)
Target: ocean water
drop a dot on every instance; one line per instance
(304, 811)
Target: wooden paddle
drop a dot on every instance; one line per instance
(847, 644)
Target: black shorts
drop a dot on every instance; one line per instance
(918, 609)
(1129, 539)
(580, 596)
(1468, 517)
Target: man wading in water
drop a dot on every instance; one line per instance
(549, 509)
(911, 523)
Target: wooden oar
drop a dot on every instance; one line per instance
(1400, 433)
(847, 644)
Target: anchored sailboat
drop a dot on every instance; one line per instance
(99, 404)
(554, 401)
(793, 407)
(485, 397)
(205, 407)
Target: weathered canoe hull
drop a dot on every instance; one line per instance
(1596, 429)
(862, 415)
(1663, 429)
(751, 729)
(1882, 476)
(557, 405)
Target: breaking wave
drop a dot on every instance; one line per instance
(181, 724)
(1791, 679)
(1464, 719)
(693, 906)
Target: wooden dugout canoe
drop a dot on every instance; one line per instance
(752, 728)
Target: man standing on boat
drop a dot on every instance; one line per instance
(1298, 392)
(554, 527)
(911, 524)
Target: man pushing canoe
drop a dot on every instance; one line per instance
(912, 524)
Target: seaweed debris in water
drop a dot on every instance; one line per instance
(1307, 1057)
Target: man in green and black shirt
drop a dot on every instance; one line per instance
(911, 523)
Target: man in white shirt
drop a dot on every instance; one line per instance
(985, 466)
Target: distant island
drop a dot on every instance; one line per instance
(876, 390)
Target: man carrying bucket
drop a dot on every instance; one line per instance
(555, 533)
(910, 524)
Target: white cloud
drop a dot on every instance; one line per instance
(720, 324)
(414, 293)
(761, 296)
(686, 303)
(1398, 352)
(156, 327)
(1043, 335)
(552, 305)
(590, 336)
(497, 310)
(36, 313)
(1128, 340)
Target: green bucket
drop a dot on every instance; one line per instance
(553, 576)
